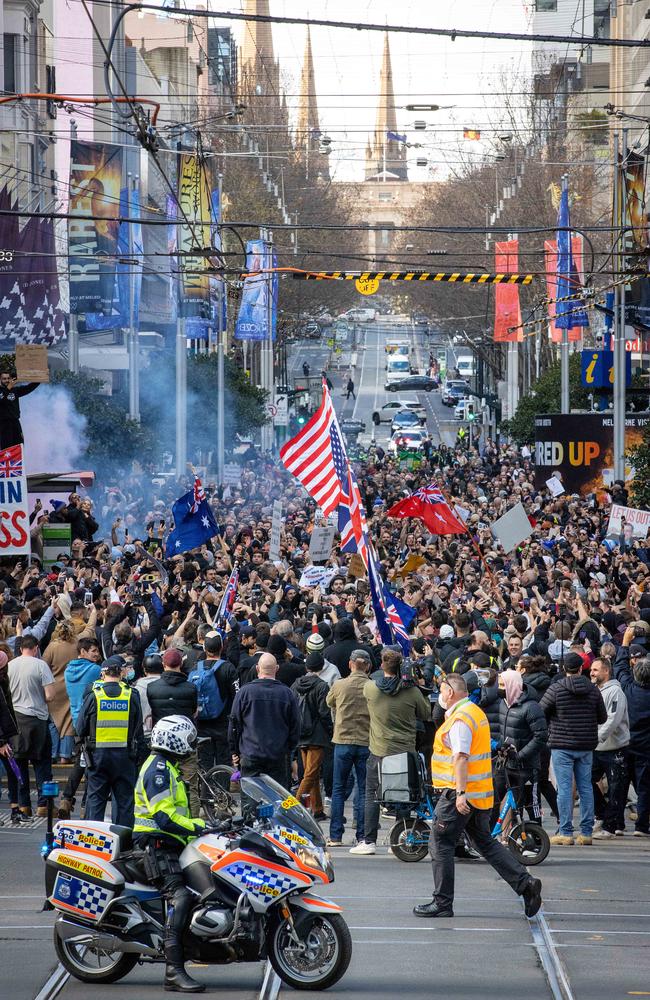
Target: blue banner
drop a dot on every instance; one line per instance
(253, 320)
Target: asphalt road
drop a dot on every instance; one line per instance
(595, 907)
(369, 377)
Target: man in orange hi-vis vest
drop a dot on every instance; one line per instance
(461, 768)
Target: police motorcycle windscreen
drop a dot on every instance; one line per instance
(264, 791)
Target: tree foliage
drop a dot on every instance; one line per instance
(639, 457)
(545, 397)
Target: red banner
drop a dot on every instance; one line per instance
(507, 311)
(550, 264)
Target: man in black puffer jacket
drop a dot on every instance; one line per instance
(522, 726)
(574, 708)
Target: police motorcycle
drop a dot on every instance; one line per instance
(252, 877)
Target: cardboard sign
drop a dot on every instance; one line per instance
(356, 566)
(231, 474)
(31, 363)
(317, 576)
(320, 545)
(513, 528)
(555, 486)
(14, 503)
(57, 538)
(636, 524)
(276, 530)
(413, 563)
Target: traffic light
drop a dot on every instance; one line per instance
(470, 412)
(302, 416)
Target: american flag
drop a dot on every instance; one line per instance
(228, 599)
(389, 621)
(11, 462)
(199, 495)
(316, 457)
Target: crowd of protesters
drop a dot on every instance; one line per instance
(553, 639)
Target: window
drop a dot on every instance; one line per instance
(545, 6)
(385, 196)
(10, 44)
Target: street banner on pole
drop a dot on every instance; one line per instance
(550, 266)
(193, 229)
(570, 309)
(507, 310)
(95, 182)
(276, 530)
(253, 320)
(14, 504)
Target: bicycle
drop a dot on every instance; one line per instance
(528, 841)
(219, 792)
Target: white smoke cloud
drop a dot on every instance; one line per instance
(54, 431)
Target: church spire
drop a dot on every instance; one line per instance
(387, 154)
(259, 69)
(309, 133)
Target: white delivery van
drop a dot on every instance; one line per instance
(397, 367)
(397, 346)
(466, 366)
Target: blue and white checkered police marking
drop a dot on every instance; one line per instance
(260, 882)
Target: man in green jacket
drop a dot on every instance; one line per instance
(394, 711)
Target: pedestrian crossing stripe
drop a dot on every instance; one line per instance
(451, 277)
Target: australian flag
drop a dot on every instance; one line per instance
(194, 522)
(393, 616)
(229, 597)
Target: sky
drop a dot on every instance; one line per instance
(465, 73)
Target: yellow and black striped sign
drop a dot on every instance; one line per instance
(446, 276)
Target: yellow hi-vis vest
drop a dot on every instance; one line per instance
(480, 791)
(112, 728)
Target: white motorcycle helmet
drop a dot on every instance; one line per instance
(175, 734)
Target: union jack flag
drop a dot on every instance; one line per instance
(353, 526)
(229, 597)
(11, 462)
(199, 495)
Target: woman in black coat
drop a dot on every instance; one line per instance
(535, 670)
(523, 727)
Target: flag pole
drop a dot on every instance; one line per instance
(475, 544)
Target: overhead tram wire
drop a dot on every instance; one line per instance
(451, 33)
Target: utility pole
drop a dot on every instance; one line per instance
(221, 377)
(73, 331)
(181, 360)
(565, 403)
(619, 309)
(132, 335)
(266, 346)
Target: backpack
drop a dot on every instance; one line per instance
(306, 718)
(211, 703)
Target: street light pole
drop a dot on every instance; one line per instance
(73, 332)
(565, 404)
(619, 310)
(132, 337)
(221, 379)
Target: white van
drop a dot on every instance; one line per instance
(466, 366)
(397, 347)
(397, 367)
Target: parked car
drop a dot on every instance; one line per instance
(422, 383)
(409, 440)
(406, 420)
(459, 409)
(360, 314)
(311, 330)
(385, 413)
(453, 390)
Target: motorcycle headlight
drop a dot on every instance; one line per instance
(311, 858)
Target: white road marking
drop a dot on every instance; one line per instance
(271, 984)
